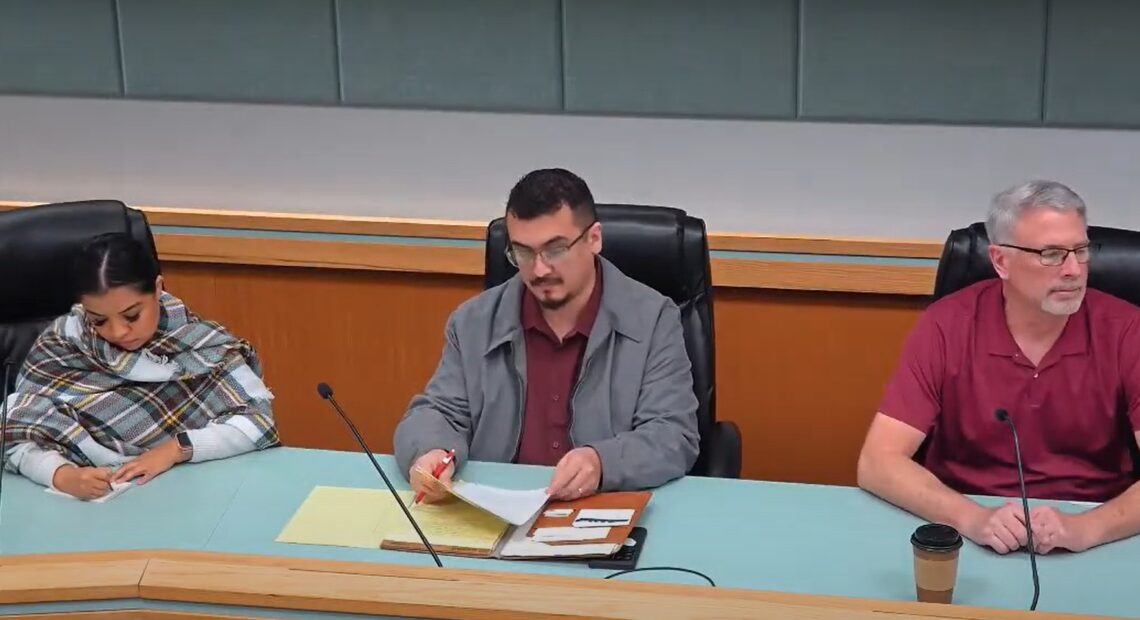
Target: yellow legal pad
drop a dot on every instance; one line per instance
(369, 518)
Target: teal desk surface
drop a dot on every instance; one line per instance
(744, 534)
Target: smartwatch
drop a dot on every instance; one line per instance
(184, 446)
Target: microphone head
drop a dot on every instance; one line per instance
(324, 390)
(1002, 415)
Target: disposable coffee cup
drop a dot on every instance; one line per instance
(935, 562)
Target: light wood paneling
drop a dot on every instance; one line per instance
(459, 595)
(337, 586)
(69, 579)
(801, 373)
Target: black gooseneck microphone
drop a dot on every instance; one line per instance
(1003, 416)
(326, 393)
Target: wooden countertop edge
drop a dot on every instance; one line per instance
(356, 587)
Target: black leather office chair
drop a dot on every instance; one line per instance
(37, 246)
(667, 250)
(1114, 269)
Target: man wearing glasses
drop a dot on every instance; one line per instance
(570, 363)
(1062, 359)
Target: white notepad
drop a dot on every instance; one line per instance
(117, 489)
(514, 507)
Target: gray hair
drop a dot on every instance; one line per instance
(1007, 207)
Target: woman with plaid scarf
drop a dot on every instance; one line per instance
(130, 383)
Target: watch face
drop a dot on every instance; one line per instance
(183, 440)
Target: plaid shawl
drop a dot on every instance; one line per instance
(100, 405)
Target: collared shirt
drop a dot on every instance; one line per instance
(1076, 411)
(552, 367)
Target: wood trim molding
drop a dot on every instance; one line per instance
(835, 277)
(303, 222)
(74, 578)
(299, 222)
(321, 254)
(118, 614)
(842, 246)
(427, 592)
(735, 273)
(792, 274)
(457, 229)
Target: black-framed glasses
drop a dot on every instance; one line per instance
(1055, 257)
(550, 254)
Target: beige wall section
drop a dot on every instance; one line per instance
(820, 179)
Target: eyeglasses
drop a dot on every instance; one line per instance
(1055, 257)
(521, 255)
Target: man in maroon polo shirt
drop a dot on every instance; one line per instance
(1062, 359)
(570, 363)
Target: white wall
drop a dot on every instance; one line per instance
(891, 181)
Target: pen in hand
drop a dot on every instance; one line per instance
(436, 473)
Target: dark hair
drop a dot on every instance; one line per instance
(543, 192)
(113, 260)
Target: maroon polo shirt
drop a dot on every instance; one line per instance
(551, 370)
(1075, 411)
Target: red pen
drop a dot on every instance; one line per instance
(436, 473)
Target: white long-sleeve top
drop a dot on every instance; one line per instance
(214, 441)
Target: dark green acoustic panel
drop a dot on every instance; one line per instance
(684, 57)
(972, 61)
(1093, 75)
(64, 47)
(230, 50)
(485, 54)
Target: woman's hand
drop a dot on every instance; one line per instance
(150, 463)
(82, 482)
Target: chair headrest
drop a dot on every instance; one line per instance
(38, 245)
(662, 247)
(1114, 269)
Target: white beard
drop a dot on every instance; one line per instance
(1062, 308)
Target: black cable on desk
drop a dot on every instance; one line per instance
(672, 568)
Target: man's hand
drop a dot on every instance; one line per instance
(578, 474)
(1001, 529)
(422, 481)
(82, 482)
(1053, 529)
(150, 463)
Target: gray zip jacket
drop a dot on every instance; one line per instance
(633, 401)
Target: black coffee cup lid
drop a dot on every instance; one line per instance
(936, 537)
